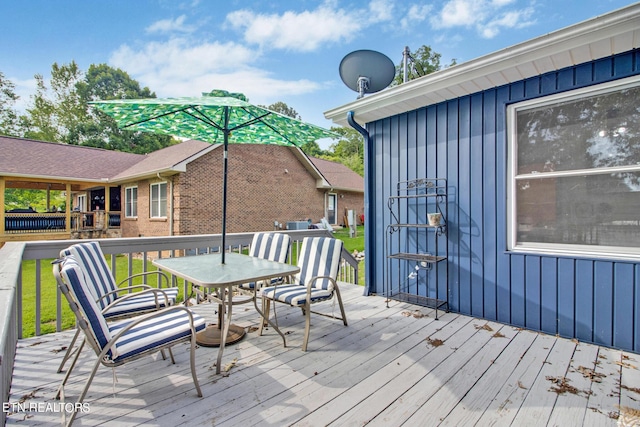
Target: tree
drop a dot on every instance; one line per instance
(421, 62)
(8, 115)
(349, 150)
(62, 113)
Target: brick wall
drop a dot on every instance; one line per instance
(266, 183)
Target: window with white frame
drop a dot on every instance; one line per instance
(131, 202)
(158, 200)
(574, 172)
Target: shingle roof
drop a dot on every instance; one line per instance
(26, 157)
(338, 175)
(169, 158)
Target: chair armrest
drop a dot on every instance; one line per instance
(315, 278)
(146, 273)
(136, 294)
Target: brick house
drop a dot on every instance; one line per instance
(178, 190)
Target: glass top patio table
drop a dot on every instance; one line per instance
(208, 271)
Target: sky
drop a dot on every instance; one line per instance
(270, 50)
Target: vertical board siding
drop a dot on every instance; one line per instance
(464, 140)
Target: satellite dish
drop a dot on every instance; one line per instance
(366, 71)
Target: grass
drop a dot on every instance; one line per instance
(351, 244)
(48, 288)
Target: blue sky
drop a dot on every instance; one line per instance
(269, 50)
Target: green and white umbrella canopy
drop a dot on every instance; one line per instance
(210, 117)
(216, 117)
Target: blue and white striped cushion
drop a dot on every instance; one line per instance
(72, 274)
(90, 257)
(295, 294)
(271, 246)
(319, 256)
(151, 333)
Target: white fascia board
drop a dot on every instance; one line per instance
(562, 48)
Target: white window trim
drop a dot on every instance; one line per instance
(126, 201)
(151, 199)
(570, 250)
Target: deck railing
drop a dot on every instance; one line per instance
(12, 286)
(41, 223)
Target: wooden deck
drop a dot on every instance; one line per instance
(390, 366)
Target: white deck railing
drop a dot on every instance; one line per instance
(12, 254)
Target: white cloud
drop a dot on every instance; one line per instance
(178, 58)
(488, 17)
(170, 26)
(307, 31)
(380, 11)
(178, 68)
(417, 13)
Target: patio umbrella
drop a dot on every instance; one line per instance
(215, 117)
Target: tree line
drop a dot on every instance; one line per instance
(60, 112)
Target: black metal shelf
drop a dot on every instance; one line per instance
(417, 257)
(408, 199)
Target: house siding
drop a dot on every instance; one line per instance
(464, 140)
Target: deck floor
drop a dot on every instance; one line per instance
(390, 366)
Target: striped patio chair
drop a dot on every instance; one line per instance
(116, 343)
(319, 262)
(271, 246)
(116, 302)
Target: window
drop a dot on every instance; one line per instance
(131, 202)
(159, 200)
(574, 172)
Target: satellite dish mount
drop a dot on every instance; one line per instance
(366, 71)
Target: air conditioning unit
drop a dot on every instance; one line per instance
(297, 225)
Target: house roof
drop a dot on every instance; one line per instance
(38, 159)
(338, 176)
(28, 158)
(599, 37)
(170, 159)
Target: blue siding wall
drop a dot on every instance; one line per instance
(464, 140)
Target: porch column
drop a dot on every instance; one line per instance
(2, 189)
(67, 211)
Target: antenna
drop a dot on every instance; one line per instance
(366, 71)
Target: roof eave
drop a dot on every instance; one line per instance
(599, 37)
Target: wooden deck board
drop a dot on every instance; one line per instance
(386, 368)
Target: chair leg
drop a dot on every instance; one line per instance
(84, 392)
(266, 309)
(192, 359)
(68, 374)
(344, 316)
(69, 351)
(307, 325)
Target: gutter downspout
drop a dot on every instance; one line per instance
(369, 204)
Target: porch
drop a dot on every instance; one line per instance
(388, 367)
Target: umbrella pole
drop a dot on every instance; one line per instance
(224, 182)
